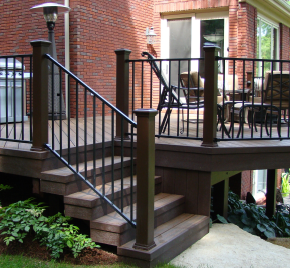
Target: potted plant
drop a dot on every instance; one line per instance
(285, 187)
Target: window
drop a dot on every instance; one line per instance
(259, 183)
(183, 36)
(267, 43)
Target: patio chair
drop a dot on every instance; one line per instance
(276, 90)
(275, 97)
(169, 97)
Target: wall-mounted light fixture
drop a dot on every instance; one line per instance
(150, 34)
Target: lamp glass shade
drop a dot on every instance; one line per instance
(50, 14)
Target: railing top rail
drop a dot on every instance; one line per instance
(15, 56)
(251, 59)
(158, 59)
(92, 91)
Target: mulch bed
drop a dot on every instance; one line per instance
(280, 241)
(31, 248)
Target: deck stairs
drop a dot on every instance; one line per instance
(175, 230)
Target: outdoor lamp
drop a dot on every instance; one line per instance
(150, 34)
(50, 12)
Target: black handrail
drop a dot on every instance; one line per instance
(82, 136)
(92, 91)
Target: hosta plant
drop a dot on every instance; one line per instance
(20, 218)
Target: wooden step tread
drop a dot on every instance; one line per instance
(88, 198)
(113, 222)
(64, 174)
(170, 238)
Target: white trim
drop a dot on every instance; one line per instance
(164, 39)
(267, 20)
(277, 10)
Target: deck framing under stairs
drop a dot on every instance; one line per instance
(182, 190)
(175, 227)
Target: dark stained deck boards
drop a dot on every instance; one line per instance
(113, 222)
(186, 228)
(228, 143)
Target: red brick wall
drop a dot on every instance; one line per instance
(97, 29)
(247, 183)
(20, 26)
(284, 45)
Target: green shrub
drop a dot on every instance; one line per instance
(19, 218)
(253, 219)
(22, 217)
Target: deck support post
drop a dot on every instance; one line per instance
(122, 89)
(220, 197)
(210, 96)
(40, 94)
(271, 193)
(145, 178)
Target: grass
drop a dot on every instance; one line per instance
(16, 261)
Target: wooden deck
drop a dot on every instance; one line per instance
(14, 132)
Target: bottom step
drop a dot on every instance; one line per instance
(171, 239)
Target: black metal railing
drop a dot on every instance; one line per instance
(247, 108)
(16, 98)
(257, 102)
(82, 136)
(157, 84)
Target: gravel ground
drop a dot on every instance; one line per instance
(228, 246)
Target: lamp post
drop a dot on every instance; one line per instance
(50, 12)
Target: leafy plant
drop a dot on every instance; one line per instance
(61, 235)
(285, 187)
(22, 217)
(19, 218)
(282, 219)
(5, 187)
(252, 218)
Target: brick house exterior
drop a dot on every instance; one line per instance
(97, 28)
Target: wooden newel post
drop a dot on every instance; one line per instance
(40, 94)
(210, 96)
(145, 178)
(122, 88)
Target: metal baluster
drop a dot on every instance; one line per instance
(133, 88)
(30, 98)
(94, 141)
(52, 104)
(112, 156)
(131, 174)
(85, 132)
(68, 117)
(142, 84)
(103, 148)
(122, 163)
(14, 97)
(77, 126)
(22, 97)
(7, 134)
(60, 112)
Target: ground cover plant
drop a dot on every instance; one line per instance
(252, 218)
(26, 217)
